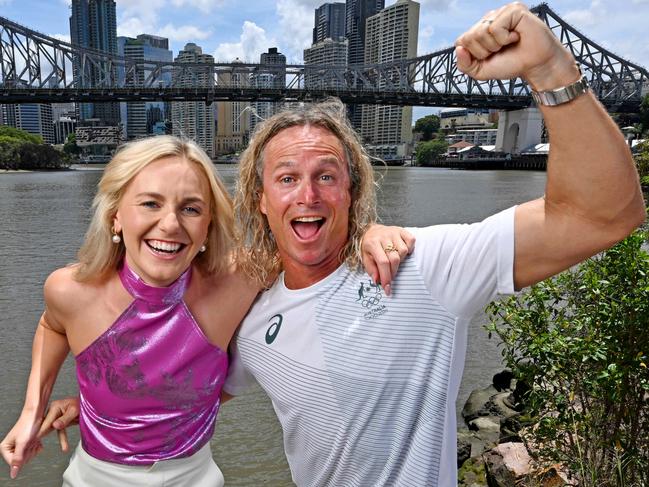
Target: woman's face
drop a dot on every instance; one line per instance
(164, 218)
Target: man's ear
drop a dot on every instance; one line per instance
(262, 203)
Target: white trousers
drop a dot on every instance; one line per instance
(198, 470)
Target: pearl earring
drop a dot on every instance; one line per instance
(203, 248)
(116, 238)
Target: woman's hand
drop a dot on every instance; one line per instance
(382, 250)
(22, 443)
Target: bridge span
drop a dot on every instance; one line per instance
(35, 68)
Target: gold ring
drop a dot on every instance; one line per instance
(390, 248)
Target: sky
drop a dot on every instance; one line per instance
(243, 29)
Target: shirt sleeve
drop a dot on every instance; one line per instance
(239, 379)
(467, 266)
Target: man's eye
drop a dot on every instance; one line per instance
(287, 179)
(327, 177)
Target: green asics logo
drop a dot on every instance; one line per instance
(273, 329)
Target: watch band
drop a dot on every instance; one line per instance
(561, 95)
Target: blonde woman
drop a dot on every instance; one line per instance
(148, 312)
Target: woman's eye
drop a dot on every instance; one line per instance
(192, 210)
(150, 204)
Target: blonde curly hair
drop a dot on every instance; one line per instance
(98, 256)
(258, 256)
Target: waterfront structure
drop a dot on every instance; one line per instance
(194, 119)
(275, 77)
(142, 116)
(329, 22)
(356, 14)
(475, 136)
(390, 35)
(93, 24)
(35, 118)
(233, 118)
(98, 142)
(451, 119)
(321, 56)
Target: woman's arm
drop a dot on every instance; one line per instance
(22, 443)
(382, 250)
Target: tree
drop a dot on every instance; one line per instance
(644, 115)
(427, 126)
(579, 342)
(428, 151)
(70, 147)
(6, 131)
(641, 158)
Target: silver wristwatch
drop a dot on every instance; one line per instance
(561, 95)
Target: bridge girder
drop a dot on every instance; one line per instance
(37, 68)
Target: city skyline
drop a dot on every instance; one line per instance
(227, 29)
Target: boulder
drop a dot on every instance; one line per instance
(475, 404)
(507, 465)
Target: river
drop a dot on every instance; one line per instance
(43, 216)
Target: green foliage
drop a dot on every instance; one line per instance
(580, 341)
(644, 114)
(642, 162)
(11, 132)
(21, 153)
(429, 151)
(70, 147)
(427, 126)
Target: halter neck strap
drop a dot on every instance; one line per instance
(137, 288)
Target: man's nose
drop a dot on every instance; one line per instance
(308, 193)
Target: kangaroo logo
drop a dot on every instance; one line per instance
(369, 294)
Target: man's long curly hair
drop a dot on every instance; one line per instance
(258, 256)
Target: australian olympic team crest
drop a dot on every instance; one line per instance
(369, 297)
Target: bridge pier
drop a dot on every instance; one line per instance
(518, 129)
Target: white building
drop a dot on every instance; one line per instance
(390, 35)
(194, 119)
(317, 60)
(475, 137)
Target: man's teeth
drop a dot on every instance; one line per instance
(308, 219)
(164, 246)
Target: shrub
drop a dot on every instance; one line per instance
(580, 342)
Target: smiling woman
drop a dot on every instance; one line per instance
(148, 313)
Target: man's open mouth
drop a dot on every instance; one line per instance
(307, 227)
(165, 247)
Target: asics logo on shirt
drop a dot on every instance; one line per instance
(273, 329)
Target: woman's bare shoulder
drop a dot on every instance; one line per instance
(64, 294)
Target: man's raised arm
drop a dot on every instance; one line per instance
(593, 197)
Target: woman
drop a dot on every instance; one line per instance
(148, 312)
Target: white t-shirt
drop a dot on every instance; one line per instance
(364, 384)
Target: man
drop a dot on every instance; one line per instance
(365, 385)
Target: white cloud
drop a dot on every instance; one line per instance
(296, 27)
(206, 6)
(61, 37)
(184, 33)
(252, 42)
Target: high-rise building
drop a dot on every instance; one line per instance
(232, 119)
(318, 61)
(142, 116)
(356, 14)
(35, 118)
(274, 76)
(93, 24)
(329, 22)
(194, 119)
(390, 35)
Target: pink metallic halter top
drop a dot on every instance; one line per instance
(149, 386)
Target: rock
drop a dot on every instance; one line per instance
(475, 404)
(464, 441)
(487, 431)
(554, 477)
(507, 464)
(472, 474)
(499, 405)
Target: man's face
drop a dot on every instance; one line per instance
(306, 199)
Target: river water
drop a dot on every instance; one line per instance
(43, 217)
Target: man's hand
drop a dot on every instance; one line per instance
(510, 42)
(382, 249)
(61, 414)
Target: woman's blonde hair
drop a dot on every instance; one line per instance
(99, 256)
(258, 255)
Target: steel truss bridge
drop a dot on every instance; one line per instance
(36, 68)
